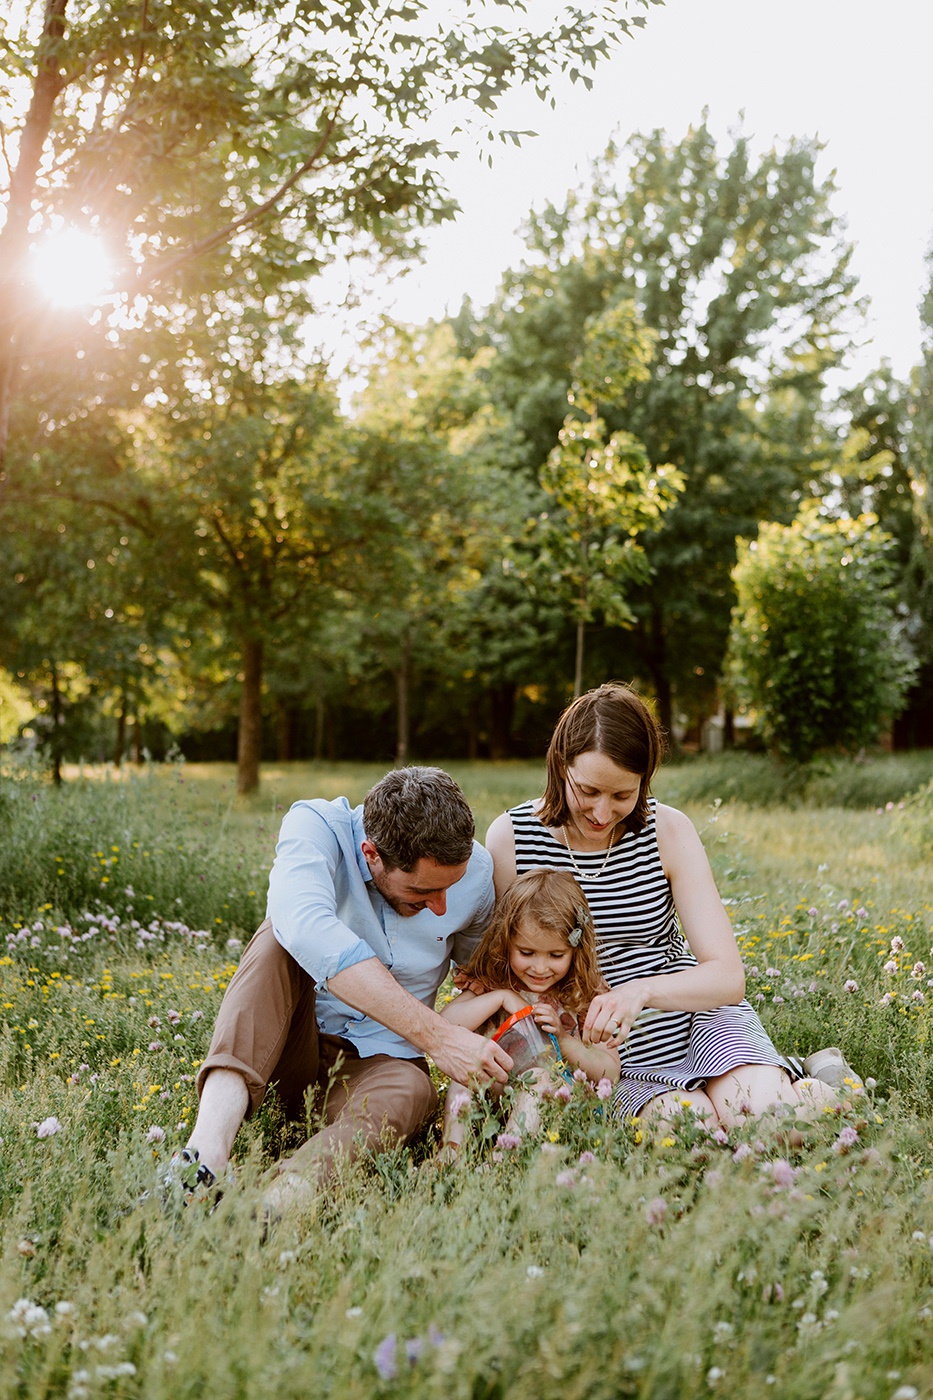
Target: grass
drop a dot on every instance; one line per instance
(588, 1264)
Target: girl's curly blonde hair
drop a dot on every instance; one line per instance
(550, 900)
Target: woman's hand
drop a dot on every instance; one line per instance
(613, 1014)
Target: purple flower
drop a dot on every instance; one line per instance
(721, 1136)
(850, 985)
(155, 1134)
(813, 912)
(918, 971)
(562, 1093)
(48, 1127)
(154, 1023)
(585, 1158)
(890, 967)
(783, 1173)
(656, 1210)
(604, 1089)
(413, 1350)
(580, 1076)
(567, 1179)
(846, 1140)
(917, 996)
(384, 1358)
(508, 1141)
(155, 1046)
(741, 1152)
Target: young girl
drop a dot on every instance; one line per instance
(540, 951)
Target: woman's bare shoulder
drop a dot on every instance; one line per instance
(676, 831)
(501, 833)
(500, 843)
(671, 821)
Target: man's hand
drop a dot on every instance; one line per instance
(468, 1058)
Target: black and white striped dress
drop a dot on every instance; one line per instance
(638, 935)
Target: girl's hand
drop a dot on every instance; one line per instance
(547, 1018)
(613, 1014)
(463, 983)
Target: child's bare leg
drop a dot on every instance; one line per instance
(525, 1117)
(456, 1109)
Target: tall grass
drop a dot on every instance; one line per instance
(587, 1263)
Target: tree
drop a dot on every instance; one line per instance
(737, 264)
(249, 487)
(605, 491)
(816, 647)
(422, 427)
(243, 142)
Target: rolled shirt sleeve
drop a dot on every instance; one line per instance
(306, 883)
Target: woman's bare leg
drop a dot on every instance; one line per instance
(660, 1114)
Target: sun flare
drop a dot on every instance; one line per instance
(71, 267)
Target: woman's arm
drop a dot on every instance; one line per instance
(717, 980)
(500, 843)
(472, 1009)
(597, 1061)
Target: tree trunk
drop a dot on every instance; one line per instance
(57, 720)
(249, 735)
(120, 743)
(137, 739)
(319, 715)
(402, 690)
(14, 238)
(578, 664)
(501, 711)
(285, 733)
(473, 729)
(656, 657)
(728, 727)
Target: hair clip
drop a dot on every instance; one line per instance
(574, 936)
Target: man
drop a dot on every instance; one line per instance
(366, 907)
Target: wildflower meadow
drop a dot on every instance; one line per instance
(593, 1261)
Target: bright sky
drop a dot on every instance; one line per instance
(856, 73)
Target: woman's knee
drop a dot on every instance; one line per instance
(749, 1090)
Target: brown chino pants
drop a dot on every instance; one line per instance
(266, 1030)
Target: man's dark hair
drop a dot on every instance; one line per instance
(417, 813)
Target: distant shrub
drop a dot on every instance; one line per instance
(761, 782)
(816, 646)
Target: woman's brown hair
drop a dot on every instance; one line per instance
(613, 721)
(551, 900)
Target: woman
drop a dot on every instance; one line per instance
(676, 1007)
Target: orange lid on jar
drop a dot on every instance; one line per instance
(513, 1021)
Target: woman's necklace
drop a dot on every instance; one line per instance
(583, 874)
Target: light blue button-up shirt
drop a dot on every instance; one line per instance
(328, 914)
